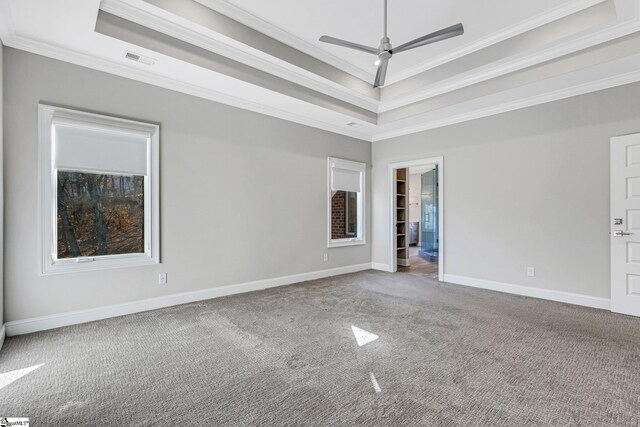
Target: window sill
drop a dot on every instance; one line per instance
(345, 242)
(97, 263)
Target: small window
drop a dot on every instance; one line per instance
(98, 191)
(346, 202)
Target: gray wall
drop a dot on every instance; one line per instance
(526, 188)
(243, 195)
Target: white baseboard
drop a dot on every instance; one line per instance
(381, 267)
(548, 294)
(26, 326)
(3, 334)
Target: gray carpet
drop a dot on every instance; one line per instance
(446, 356)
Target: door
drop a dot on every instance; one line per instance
(429, 215)
(625, 224)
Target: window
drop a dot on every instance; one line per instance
(346, 202)
(98, 191)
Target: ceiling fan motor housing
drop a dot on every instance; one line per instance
(385, 48)
(384, 52)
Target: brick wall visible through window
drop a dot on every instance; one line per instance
(339, 215)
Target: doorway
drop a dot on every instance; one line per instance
(416, 242)
(423, 247)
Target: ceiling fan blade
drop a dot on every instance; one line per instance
(381, 75)
(453, 31)
(344, 43)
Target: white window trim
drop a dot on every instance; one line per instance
(362, 169)
(47, 193)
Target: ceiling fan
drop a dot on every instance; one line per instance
(385, 51)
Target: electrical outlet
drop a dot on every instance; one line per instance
(326, 257)
(162, 279)
(531, 272)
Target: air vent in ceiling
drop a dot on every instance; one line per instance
(139, 58)
(354, 124)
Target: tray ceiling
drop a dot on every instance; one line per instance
(265, 57)
(360, 21)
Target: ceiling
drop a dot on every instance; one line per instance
(361, 21)
(264, 56)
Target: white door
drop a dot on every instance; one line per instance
(625, 224)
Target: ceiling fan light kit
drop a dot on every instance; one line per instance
(385, 51)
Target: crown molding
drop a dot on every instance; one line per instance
(127, 71)
(250, 20)
(224, 89)
(247, 18)
(528, 96)
(163, 21)
(552, 15)
(474, 109)
(172, 25)
(512, 64)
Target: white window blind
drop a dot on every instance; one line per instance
(91, 148)
(345, 180)
(346, 176)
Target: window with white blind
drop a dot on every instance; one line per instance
(98, 191)
(346, 185)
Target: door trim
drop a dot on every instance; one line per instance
(391, 242)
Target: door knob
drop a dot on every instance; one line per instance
(620, 233)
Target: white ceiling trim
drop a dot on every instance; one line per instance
(531, 95)
(237, 93)
(142, 75)
(600, 77)
(158, 19)
(514, 63)
(280, 34)
(277, 33)
(497, 37)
